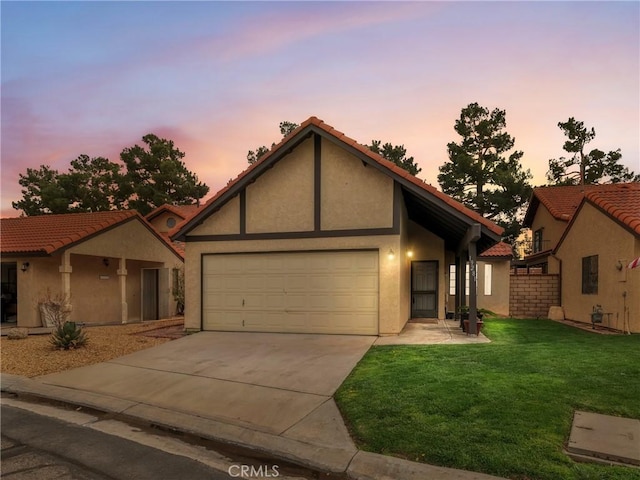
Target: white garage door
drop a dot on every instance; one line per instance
(301, 292)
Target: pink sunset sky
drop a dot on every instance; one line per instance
(218, 77)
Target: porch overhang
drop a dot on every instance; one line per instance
(447, 222)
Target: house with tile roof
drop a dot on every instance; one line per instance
(550, 210)
(494, 271)
(114, 267)
(599, 241)
(321, 235)
(168, 217)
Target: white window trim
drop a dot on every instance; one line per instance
(488, 278)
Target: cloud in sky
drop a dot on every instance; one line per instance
(218, 77)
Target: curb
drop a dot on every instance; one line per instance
(356, 464)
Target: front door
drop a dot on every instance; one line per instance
(424, 289)
(149, 294)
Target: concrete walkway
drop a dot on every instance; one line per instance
(432, 333)
(268, 394)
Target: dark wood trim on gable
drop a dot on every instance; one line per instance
(317, 182)
(395, 230)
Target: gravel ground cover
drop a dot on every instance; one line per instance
(35, 356)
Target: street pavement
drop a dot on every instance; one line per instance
(40, 447)
(45, 442)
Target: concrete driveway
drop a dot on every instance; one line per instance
(265, 382)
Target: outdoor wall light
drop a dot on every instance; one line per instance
(391, 255)
(410, 253)
(25, 266)
(105, 261)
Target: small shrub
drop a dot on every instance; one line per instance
(54, 309)
(68, 335)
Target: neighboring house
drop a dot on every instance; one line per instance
(167, 217)
(493, 286)
(494, 269)
(602, 237)
(321, 235)
(548, 215)
(113, 266)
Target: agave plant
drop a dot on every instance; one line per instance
(68, 335)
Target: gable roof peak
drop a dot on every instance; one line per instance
(315, 125)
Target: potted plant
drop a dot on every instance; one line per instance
(54, 309)
(464, 316)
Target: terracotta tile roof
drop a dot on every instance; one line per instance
(621, 201)
(500, 249)
(45, 234)
(182, 211)
(562, 201)
(177, 245)
(392, 167)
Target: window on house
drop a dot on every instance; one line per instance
(537, 241)
(452, 279)
(488, 273)
(466, 280)
(590, 274)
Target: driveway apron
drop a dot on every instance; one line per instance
(263, 381)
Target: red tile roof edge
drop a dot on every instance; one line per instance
(499, 250)
(613, 207)
(84, 233)
(47, 248)
(568, 191)
(316, 122)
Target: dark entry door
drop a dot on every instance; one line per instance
(424, 289)
(149, 294)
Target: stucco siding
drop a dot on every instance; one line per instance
(130, 240)
(552, 228)
(33, 285)
(281, 199)
(225, 221)
(390, 321)
(594, 233)
(160, 221)
(353, 195)
(498, 300)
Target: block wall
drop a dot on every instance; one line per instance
(531, 295)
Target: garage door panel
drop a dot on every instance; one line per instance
(225, 319)
(302, 292)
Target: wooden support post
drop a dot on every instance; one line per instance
(122, 276)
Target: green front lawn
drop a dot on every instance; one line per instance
(503, 408)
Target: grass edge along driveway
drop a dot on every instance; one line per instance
(503, 408)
